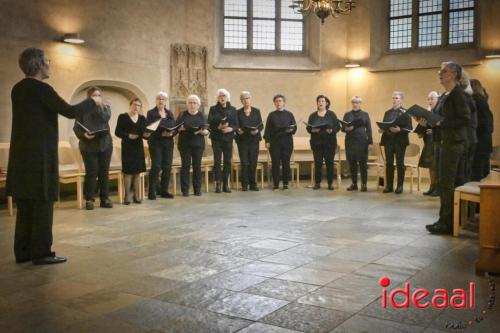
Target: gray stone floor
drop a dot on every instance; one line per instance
(295, 261)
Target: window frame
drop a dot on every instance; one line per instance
(445, 24)
(277, 33)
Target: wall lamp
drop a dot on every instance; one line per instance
(72, 39)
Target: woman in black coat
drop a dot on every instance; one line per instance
(32, 174)
(358, 139)
(161, 147)
(280, 128)
(250, 127)
(481, 164)
(426, 160)
(96, 149)
(323, 126)
(192, 143)
(130, 128)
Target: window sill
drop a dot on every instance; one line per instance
(263, 62)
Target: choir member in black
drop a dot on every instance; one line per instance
(464, 171)
(323, 139)
(453, 131)
(280, 128)
(130, 128)
(96, 150)
(250, 127)
(161, 147)
(32, 174)
(395, 140)
(192, 143)
(426, 160)
(223, 125)
(357, 142)
(481, 164)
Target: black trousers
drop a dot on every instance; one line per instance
(96, 173)
(33, 235)
(437, 159)
(481, 166)
(191, 155)
(353, 166)
(394, 150)
(448, 165)
(249, 153)
(320, 154)
(162, 154)
(280, 156)
(222, 151)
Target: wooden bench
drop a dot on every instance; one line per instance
(464, 194)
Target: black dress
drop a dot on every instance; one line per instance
(132, 150)
(357, 140)
(427, 156)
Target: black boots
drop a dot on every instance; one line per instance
(218, 188)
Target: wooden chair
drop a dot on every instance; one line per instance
(4, 162)
(469, 192)
(303, 154)
(495, 157)
(70, 170)
(412, 156)
(376, 160)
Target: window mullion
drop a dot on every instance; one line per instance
(414, 23)
(277, 29)
(446, 23)
(250, 25)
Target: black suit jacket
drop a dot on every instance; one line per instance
(457, 116)
(33, 171)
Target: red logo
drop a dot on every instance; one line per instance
(440, 298)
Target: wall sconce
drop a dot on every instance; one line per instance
(351, 64)
(72, 39)
(493, 55)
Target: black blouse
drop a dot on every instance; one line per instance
(187, 138)
(167, 122)
(276, 125)
(323, 138)
(254, 119)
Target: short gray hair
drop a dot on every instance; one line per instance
(433, 94)
(399, 93)
(162, 93)
(193, 98)
(31, 61)
(245, 94)
(455, 68)
(224, 92)
(356, 99)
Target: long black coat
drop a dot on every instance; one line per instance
(33, 171)
(357, 140)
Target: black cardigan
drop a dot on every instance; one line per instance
(323, 138)
(215, 115)
(254, 119)
(276, 125)
(187, 138)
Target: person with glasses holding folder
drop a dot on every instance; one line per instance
(280, 128)
(250, 122)
(395, 140)
(96, 147)
(161, 146)
(323, 126)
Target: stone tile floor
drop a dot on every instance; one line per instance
(295, 261)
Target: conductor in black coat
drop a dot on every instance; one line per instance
(279, 131)
(395, 140)
(223, 126)
(357, 141)
(32, 175)
(453, 133)
(192, 143)
(323, 139)
(96, 150)
(248, 138)
(161, 146)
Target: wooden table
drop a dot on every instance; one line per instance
(489, 230)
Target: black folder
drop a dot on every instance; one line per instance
(320, 125)
(419, 112)
(251, 128)
(92, 130)
(355, 123)
(420, 130)
(171, 129)
(197, 128)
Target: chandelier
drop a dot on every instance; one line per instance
(323, 8)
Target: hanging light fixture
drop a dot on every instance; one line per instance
(323, 8)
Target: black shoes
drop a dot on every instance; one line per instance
(388, 190)
(364, 188)
(89, 204)
(276, 188)
(399, 189)
(49, 261)
(244, 188)
(439, 228)
(352, 187)
(435, 193)
(137, 201)
(330, 187)
(316, 186)
(285, 187)
(429, 191)
(197, 193)
(167, 195)
(254, 188)
(226, 188)
(152, 196)
(185, 194)
(106, 203)
(126, 202)
(218, 188)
